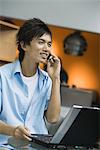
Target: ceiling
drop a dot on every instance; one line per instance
(77, 14)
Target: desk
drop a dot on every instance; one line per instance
(25, 145)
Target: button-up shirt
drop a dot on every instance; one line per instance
(15, 107)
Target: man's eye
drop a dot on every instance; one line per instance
(41, 42)
(49, 45)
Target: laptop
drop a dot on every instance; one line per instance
(80, 127)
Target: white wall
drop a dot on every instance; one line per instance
(77, 14)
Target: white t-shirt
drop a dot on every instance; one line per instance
(31, 82)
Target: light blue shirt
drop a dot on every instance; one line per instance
(15, 108)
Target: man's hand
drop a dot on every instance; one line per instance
(53, 67)
(22, 132)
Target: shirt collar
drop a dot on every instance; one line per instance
(17, 69)
(43, 76)
(42, 73)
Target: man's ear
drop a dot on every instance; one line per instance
(23, 46)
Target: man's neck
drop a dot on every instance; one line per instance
(28, 69)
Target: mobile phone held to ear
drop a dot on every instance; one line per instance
(49, 56)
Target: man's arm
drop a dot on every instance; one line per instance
(54, 107)
(53, 111)
(18, 132)
(6, 129)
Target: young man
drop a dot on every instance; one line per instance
(27, 93)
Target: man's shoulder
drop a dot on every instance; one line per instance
(43, 72)
(7, 68)
(44, 75)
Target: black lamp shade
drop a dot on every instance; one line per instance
(75, 44)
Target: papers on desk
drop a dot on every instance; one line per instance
(6, 147)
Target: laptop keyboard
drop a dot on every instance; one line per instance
(42, 137)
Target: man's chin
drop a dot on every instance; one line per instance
(43, 61)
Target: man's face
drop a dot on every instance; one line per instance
(39, 49)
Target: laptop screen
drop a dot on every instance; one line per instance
(79, 128)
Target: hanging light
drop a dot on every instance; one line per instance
(75, 44)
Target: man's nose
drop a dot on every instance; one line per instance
(47, 48)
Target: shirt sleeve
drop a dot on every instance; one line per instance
(48, 94)
(0, 93)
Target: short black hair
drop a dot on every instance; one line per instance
(32, 28)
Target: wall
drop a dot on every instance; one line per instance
(77, 14)
(83, 71)
(99, 64)
(7, 45)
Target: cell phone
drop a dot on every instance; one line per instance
(49, 57)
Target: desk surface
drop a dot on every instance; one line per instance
(25, 145)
